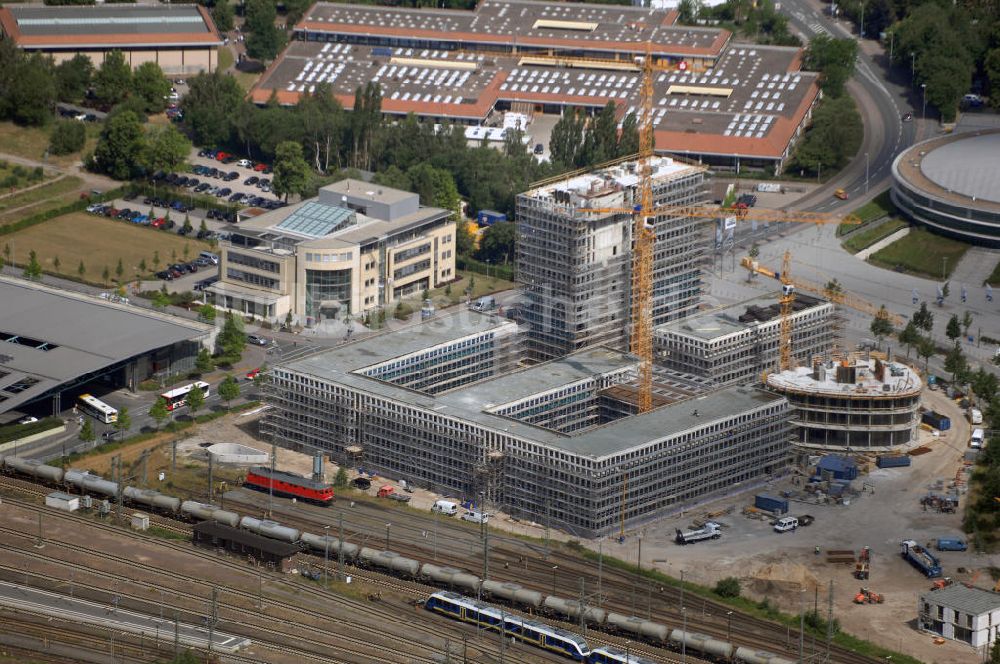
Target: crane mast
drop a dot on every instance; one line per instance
(644, 237)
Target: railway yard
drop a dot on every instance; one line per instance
(290, 617)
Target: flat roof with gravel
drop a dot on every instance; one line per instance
(968, 165)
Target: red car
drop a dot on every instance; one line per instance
(219, 156)
(253, 373)
(260, 167)
(290, 485)
(159, 222)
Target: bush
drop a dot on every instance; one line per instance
(728, 587)
(17, 431)
(67, 137)
(402, 311)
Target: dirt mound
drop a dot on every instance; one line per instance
(781, 576)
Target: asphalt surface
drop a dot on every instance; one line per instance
(31, 600)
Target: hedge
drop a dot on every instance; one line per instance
(472, 265)
(76, 206)
(16, 431)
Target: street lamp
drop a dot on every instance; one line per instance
(861, 31)
(923, 114)
(729, 626)
(867, 166)
(326, 553)
(554, 568)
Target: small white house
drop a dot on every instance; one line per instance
(140, 521)
(63, 501)
(961, 613)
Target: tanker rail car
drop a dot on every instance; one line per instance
(458, 585)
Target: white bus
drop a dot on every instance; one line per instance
(97, 409)
(177, 397)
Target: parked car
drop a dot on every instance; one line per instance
(257, 341)
(225, 191)
(261, 167)
(539, 148)
(244, 163)
(202, 187)
(232, 175)
(907, 117)
(27, 420)
(183, 230)
(253, 373)
(253, 179)
(164, 274)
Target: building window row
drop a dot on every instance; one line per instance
(411, 269)
(252, 279)
(255, 262)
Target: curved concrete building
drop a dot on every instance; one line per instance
(853, 403)
(951, 185)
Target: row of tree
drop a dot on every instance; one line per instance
(332, 139)
(31, 84)
(759, 21)
(580, 141)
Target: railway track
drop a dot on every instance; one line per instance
(488, 652)
(512, 559)
(78, 636)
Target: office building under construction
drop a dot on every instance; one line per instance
(737, 344)
(447, 405)
(854, 402)
(574, 254)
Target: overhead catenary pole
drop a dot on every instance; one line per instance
(340, 550)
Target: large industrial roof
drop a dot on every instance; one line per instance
(49, 337)
(346, 364)
(968, 165)
(750, 103)
(109, 26)
(525, 24)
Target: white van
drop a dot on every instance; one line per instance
(785, 524)
(977, 440)
(476, 517)
(445, 507)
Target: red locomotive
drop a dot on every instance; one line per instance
(289, 485)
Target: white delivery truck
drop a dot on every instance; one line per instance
(710, 530)
(977, 440)
(445, 507)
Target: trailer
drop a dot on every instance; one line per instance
(920, 558)
(936, 420)
(892, 461)
(711, 530)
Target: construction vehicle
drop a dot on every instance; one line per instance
(710, 530)
(863, 568)
(921, 558)
(868, 596)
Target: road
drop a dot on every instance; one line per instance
(883, 96)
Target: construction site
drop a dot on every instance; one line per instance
(574, 253)
(852, 402)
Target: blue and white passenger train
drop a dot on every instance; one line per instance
(531, 632)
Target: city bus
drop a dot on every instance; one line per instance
(177, 397)
(97, 409)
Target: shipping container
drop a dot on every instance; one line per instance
(936, 420)
(843, 468)
(892, 461)
(770, 503)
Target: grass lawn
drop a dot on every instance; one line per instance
(55, 194)
(994, 279)
(481, 286)
(878, 207)
(866, 238)
(98, 242)
(32, 142)
(921, 252)
(226, 59)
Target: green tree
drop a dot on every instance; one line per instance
(923, 318)
(119, 270)
(67, 136)
(143, 268)
(566, 140)
(833, 290)
(264, 40)
(834, 59)
(340, 479)
(195, 401)
(73, 78)
(985, 385)
(291, 172)
(113, 79)
(232, 339)
(954, 329)
(628, 141)
(160, 299)
(833, 138)
(156, 259)
(86, 433)
(81, 269)
(991, 64)
(223, 14)
(229, 389)
(28, 87)
(207, 313)
(120, 143)
(925, 349)
(909, 336)
(187, 226)
(966, 322)
(728, 587)
(956, 363)
(151, 86)
(202, 227)
(995, 653)
(203, 363)
(159, 412)
(600, 140)
(164, 149)
(56, 263)
(497, 243)
(687, 12)
(33, 270)
(210, 107)
(123, 423)
(881, 326)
